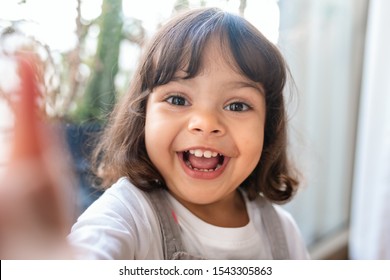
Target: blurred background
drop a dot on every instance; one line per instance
(339, 101)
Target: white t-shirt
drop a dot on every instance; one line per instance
(122, 224)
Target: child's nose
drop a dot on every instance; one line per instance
(206, 122)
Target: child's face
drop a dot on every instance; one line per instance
(190, 123)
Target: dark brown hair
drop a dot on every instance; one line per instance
(177, 46)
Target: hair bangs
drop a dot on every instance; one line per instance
(180, 47)
(255, 56)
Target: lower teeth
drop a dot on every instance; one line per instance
(202, 169)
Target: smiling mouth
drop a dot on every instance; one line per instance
(203, 161)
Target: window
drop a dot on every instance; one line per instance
(323, 42)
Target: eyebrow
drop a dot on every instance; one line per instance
(182, 76)
(247, 83)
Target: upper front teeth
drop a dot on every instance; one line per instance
(206, 154)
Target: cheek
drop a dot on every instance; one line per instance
(159, 135)
(252, 145)
(151, 131)
(255, 148)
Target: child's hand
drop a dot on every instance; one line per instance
(36, 189)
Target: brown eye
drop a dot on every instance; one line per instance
(177, 101)
(237, 107)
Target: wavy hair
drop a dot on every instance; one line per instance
(179, 45)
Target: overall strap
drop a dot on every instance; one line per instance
(172, 244)
(274, 230)
(170, 230)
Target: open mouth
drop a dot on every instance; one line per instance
(203, 160)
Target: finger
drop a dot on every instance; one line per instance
(36, 141)
(26, 139)
(33, 206)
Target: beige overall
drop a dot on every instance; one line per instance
(172, 244)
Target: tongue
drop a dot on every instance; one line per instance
(202, 162)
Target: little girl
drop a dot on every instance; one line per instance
(196, 151)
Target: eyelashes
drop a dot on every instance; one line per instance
(180, 100)
(238, 107)
(177, 100)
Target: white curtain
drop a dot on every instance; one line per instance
(323, 42)
(370, 214)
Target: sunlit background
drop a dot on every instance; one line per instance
(338, 54)
(53, 22)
